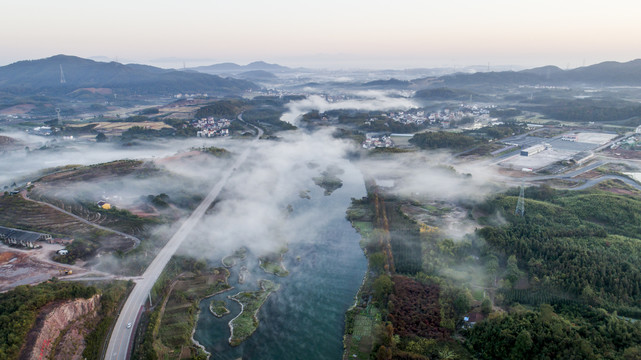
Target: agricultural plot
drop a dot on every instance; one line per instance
(181, 309)
(57, 189)
(117, 128)
(405, 240)
(18, 212)
(416, 310)
(362, 338)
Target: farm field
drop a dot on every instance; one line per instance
(17, 212)
(179, 312)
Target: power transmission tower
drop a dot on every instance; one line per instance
(62, 76)
(520, 205)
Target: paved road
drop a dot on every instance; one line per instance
(590, 183)
(572, 174)
(121, 337)
(84, 277)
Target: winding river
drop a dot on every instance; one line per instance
(305, 318)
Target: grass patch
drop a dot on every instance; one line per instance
(243, 325)
(273, 263)
(231, 260)
(172, 338)
(218, 308)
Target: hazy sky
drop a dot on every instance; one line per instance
(329, 33)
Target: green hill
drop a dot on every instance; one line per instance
(44, 76)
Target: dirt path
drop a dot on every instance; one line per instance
(81, 219)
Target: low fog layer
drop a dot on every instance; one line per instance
(262, 208)
(43, 152)
(177, 176)
(426, 175)
(366, 101)
(254, 208)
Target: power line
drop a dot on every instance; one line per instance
(520, 205)
(62, 76)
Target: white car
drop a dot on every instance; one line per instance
(128, 325)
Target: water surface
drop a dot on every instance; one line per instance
(305, 318)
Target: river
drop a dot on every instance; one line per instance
(305, 318)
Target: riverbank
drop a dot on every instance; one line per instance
(243, 325)
(171, 330)
(218, 308)
(304, 319)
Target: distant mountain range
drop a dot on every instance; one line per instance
(45, 76)
(62, 74)
(608, 73)
(232, 68)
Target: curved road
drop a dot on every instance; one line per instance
(572, 174)
(591, 182)
(121, 336)
(130, 237)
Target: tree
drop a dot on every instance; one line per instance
(462, 303)
(447, 354)
(486, 306)
(547, 313)
(632, 353)
(101, 137)
(492, 268)
(382, 287)
(589, 295)
(383, 353)
(522, 345)
(513, 272)
(377, 262)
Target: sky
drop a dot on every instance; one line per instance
(393, 34)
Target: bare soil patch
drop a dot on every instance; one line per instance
(17, 109)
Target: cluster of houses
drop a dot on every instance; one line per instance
(409, 117)
(445, 117)
(632, 142)
(212, 127)
(28, 239)
(374, 141)
(190, 96)
(40, 130)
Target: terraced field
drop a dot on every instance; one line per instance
(57, 188)
(17, 212)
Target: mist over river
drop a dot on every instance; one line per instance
(305, 318)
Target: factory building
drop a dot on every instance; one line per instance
(533, 150)
(22, 237)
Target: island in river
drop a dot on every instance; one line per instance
(273, 263)
(243, 325)
(218, 308)
(329, 179)
(231, 260)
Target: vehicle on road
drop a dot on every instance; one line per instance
(128, 325)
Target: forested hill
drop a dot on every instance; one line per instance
(604, 74)
(45, 76)
(584, 245)
(571, 278)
